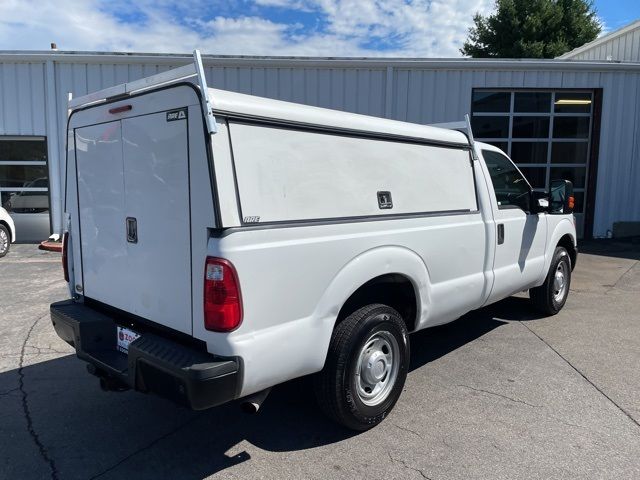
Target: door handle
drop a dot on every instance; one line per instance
(500, 233)
(132, 230)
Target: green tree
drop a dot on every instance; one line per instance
(532, 29)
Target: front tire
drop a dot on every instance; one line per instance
(5, 241)
(366, 367)
(551, 296)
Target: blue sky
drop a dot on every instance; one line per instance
(403, 28)
(618, 13)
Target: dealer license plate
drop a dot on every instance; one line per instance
(125, 337)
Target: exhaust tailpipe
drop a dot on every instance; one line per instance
(252, 403)
(109, 384)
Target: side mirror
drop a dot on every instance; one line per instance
(561, 197)
(540, 202)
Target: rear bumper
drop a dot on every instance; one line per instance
(155, 364)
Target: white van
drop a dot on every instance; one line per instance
(218, 244)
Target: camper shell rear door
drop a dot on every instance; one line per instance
(129, 195)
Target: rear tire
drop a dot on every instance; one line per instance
(5, 241)
(366, 368)
(550, 297)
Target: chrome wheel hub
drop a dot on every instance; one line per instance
(560, 282)
(377, 368)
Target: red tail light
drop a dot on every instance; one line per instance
(120, 109)
(65, 248)
(222, 300)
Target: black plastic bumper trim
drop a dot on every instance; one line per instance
(155, 364)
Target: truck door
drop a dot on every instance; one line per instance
(133, 197)
(520, 234)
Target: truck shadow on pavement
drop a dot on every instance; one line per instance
(432, 343)
(628, 248)
(60, 414)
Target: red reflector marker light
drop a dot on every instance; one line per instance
(120, 109)
(222, 299)
(65, 248)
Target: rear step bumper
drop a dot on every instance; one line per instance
(155, 364)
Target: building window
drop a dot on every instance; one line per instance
(546, 133)
(24, 178)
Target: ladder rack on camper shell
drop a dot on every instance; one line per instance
(196, 69)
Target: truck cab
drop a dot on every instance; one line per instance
(524, 228)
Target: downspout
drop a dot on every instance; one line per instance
(53, 152)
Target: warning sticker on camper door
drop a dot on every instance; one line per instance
(174, 115)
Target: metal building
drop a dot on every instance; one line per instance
(622, 45)
(556, 118)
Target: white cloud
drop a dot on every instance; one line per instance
(418, 28)
(290, 4)
(605, 29)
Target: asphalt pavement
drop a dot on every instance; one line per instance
(501, 393)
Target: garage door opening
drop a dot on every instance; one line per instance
(549, 134)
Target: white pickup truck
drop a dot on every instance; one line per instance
(217, 244)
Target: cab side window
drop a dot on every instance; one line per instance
(511, 188)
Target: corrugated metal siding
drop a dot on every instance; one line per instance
(621, 48)
(360, 90)
(618, 192)
(419, 94)
(22, 99)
